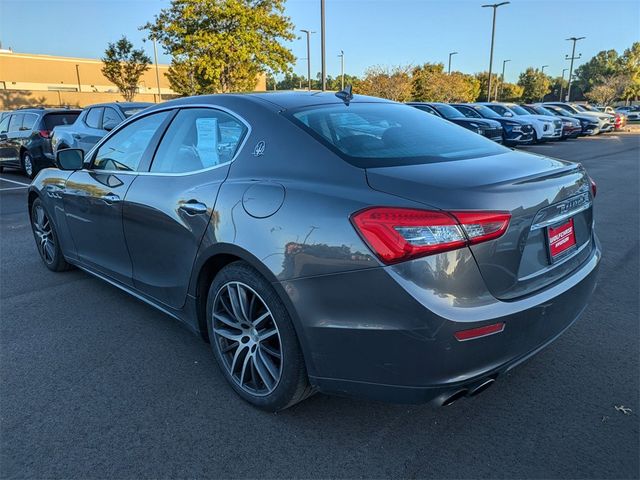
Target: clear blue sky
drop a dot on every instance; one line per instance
(384, 32)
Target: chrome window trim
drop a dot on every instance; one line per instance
(95, 148)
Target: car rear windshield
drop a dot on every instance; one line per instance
(447, 111)
(64, 118)
(131, 111)
(371, 135)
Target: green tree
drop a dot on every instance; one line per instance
(124, 65)
(393, 83)
(483, 78)
(534, 83)
(629, 64)
(431, 84)
(601, 66)
(510, 92)
(223, 45)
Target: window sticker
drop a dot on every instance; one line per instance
(207, 146)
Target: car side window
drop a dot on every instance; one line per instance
(198, 138)
(4, 124)
(29, 121)
(16, 122)
(110, 119)
(124, 149)
(93, 117)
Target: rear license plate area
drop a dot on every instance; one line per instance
(561, 240)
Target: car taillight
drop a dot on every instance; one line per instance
(594, 187)
(398, 234)
(45, 133)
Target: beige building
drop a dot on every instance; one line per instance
(45, 80)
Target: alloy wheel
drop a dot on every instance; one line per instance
(28, 164)
(44, 233)
(247, 338)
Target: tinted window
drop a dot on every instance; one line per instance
(447, 111)
(485, 111)
(468, 111)
(54, 119)
(131, 111)
(518, 110)
(93, 117)
(29, 121)
(4, 124)
(110, 118)
(124, 150)
(387, 134)
(426, 108)
(498, 109)
(16, 122)
(198, 138)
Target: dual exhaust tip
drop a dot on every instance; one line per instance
(468, 392)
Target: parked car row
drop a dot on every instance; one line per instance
(30, 137)
(513, 124)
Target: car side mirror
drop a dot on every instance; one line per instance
(70, 159)
(508, 114)
(109, 126)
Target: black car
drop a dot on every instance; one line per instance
(485, 127)
(25, 138)
(515, 131)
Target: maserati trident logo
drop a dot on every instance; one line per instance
(258, 150)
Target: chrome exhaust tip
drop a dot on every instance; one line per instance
(481, 388)
(455, 397)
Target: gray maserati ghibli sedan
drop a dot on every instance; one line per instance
(329, 242)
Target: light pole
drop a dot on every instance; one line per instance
(450, 55)
(308, 32)
(493, 34)
(341, 69)
(562, 84)
(542, 71)
(322, 35)
(572, 58)
(504, 62)
(155, 56)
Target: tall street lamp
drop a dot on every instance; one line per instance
(341, 69)
(572, 58)
(562, 84)
(542, 71)
(493, 34)
(322, 37)
(450, 55)
(504, 62)
(308, 32)
(155, 56)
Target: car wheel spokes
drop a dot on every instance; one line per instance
(247, 338)
(44, 233)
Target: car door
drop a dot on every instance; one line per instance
(5, 150)
(93, 196)
(167, 210)
(92, 130)
(13, 141)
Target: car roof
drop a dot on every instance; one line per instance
(121, 104)
(281, 100)
(46, 110)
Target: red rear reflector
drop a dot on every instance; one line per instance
(44, 133)
(594, 187)
(398, 234)
(472, 333)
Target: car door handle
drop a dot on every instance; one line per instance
(76, 136)
(194, 208)
(110, 198)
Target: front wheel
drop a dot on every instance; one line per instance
(46, 239)
(27, 165)
(254, 341)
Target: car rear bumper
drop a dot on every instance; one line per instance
(376, 334)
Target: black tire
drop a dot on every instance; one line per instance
(51, 255)
(28, 166)
(293, 383)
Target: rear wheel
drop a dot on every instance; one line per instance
(46, 239)
(27, 165)
(253, 339)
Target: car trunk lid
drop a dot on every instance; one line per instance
(541, 194)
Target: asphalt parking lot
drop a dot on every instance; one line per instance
(96, 384)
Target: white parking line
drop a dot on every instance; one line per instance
(13, 181)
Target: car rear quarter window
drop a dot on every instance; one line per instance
(4, 124)
(29, 121)
(198, 138)
(52, 120)
(388, 134)
(124, 149)
(94, 117)
(15, 123)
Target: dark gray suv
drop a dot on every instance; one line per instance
(326, 242)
